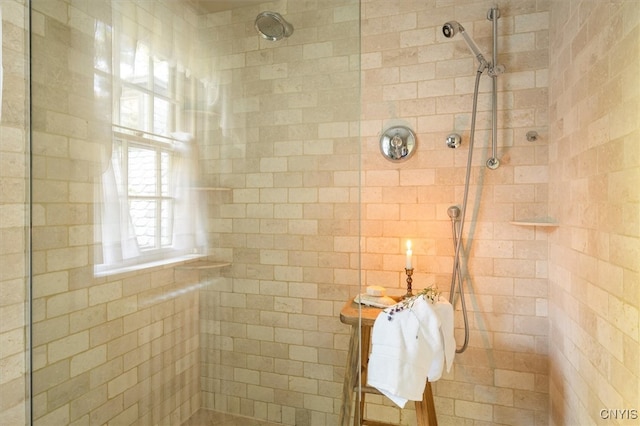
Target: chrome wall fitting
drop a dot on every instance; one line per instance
(532, 136)
(454, 140)
(493, 163)
(397, 143)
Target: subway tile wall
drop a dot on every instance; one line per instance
(14, 216)
(413, 75)
(594, 170)
(118, 349)
(285, 142)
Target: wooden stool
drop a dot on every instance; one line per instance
(425, 409)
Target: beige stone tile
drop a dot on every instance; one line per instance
(520, 196)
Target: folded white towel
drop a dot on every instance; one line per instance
(410, 347)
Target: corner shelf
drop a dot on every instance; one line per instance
(545, 222)
(203, 265)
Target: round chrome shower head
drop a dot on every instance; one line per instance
(451, 28)
(272, 26)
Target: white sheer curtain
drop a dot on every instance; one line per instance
(117, 235)
(116, 243)
(173, 39)
(189, 233)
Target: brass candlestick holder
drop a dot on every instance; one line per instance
(409, 272)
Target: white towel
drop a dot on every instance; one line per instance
(444, 311)
(409, 347)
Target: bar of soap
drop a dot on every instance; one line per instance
(376, 290)
(375, 301)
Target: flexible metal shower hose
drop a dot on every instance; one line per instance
(456, 275)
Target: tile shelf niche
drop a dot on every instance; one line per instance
(547, 222)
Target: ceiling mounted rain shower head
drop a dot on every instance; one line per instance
(272, 26)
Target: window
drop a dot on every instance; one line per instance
(148, 210)
(145, 176)
(148, 94)
(146, 117)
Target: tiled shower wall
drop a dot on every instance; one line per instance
(14, 217)
(594, 264)
(123, 348)
(285, 142)
(412, 75)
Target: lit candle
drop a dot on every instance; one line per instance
(409, 254)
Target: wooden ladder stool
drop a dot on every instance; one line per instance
(425, 409)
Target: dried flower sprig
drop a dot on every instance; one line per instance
(430, 294)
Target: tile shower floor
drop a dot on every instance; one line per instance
(213, 418)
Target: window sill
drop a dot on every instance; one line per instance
(191, 261)
(202, 265)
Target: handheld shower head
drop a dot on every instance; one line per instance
(451, 28)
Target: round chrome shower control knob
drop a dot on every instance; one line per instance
(397, 143)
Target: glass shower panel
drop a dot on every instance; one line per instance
(195, 209)
(132, 108)
(286, 142)
(115, 320)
